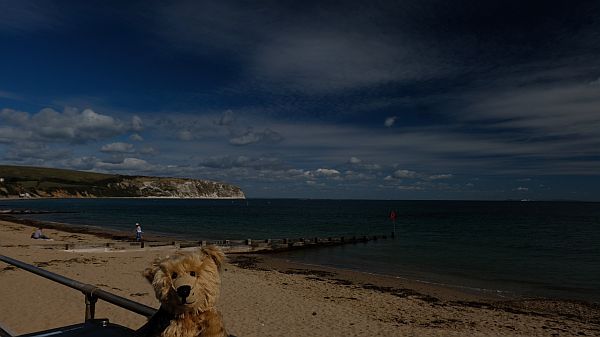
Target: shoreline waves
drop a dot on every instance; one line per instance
(267, 295)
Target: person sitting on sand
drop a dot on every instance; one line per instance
(39, 235)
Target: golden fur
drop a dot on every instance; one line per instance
(187, 286)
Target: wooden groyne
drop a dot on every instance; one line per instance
(277, 245)
(235, 246)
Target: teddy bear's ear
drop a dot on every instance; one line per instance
(151, 271)
(214, 253)
(149, 274)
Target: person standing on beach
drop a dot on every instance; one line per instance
(138, 232)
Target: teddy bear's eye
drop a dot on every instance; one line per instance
(174, 275)
(193, 273)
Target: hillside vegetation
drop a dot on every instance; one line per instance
(41, 182)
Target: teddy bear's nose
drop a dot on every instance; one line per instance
(184, 291)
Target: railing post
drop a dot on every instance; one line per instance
(90, 306)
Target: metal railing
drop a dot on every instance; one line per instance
(91, 292)
(4, 333)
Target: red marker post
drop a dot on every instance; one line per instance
(393, 218)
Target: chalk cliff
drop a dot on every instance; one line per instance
(37, 182)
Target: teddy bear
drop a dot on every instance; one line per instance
(187, 284)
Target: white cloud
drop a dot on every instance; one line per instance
(357, 164)
(226, 119)
(439, 176)
(389, 122)
(27, 16)
(89, 120)
(136, 123)
(522, 189)
(71, 125)
(405, 174)
(354, 160)
(328, 60)
(291, 50)
(37, 151)
(10, 95)
(540, 111)
(149, 150)
(296, 173)
(250, 137)
(136, 137)
(14, 117)
(324, 172)
(185, 135)
(129, 164)
(410, 188)
(228, 162)
(207, 126)
(81, 163)
(247, 138)
(117, 147)
(357, 176)
(11, 135)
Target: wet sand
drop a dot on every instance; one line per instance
(263, 295)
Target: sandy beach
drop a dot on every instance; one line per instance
(266, 296)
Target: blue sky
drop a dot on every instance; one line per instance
(325, 99)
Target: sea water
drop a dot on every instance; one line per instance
(548, 249)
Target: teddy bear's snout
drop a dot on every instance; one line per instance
(184, 292)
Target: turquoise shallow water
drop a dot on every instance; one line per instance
(548, 249)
